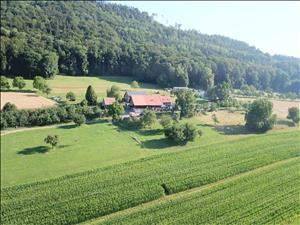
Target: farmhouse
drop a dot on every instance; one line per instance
(155, 102)
(107, 102)
(128, 94)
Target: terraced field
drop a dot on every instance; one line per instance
(81, 197)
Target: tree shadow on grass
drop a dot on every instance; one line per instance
(39, 149)
(34, 150)
(232, 130)
(158, 143)
(69, 126)
(285, 123)
(150, 132)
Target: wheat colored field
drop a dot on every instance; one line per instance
(280, 107)
(25, 100)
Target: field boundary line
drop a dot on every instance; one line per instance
(188, 192)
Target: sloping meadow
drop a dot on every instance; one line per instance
(80, 197)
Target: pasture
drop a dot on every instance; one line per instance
(25, 100)
(80, 197)
(94, 145)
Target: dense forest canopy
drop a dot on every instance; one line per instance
(98, 38)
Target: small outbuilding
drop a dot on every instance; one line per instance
(107, 102)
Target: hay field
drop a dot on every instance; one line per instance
(25, 100)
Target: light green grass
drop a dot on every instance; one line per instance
(24, 155)
(61, 85)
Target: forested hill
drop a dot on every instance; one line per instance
(97, 38)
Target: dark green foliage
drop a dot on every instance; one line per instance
(114, 91)
(181, 133)
(4, 83)
(47, 90)
(115, 110)
(71, 96)
(19, 82)
(89, 37)
(49, 65)
(294, 114)
(148, 118)
(39, 83)
(79, 119)
(91, 96)
(259, 116)
(166, 121)
(11, 117)
(220, 92)
(185, 102)
(9, 107)
(52, 140)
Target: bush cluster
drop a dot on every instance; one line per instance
(11, 117)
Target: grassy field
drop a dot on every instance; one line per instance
(82, 148)
(79, 197)
(61, 85)
(256, 197)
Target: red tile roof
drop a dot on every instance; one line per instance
(150, 100)
(166, 99)
(146, 100)
(109, 101)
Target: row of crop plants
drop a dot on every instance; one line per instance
(270, 196)
(79, 197)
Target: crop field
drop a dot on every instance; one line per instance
(257, 197)
(88, 195)
(61, 85)
(24, 100)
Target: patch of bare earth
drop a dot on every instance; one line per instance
(25, 100)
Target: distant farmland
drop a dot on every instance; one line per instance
(25, 100)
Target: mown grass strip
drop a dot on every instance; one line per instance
(80, 197)
(267, 195)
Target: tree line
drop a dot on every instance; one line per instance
(91, 38)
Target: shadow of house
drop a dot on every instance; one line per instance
(34, 150)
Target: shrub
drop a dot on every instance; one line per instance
(182, 133)
(39, 83)
(114, 91)
(259, 116)
(4, 83)
(115, 110)
(71, 96)
(134, 84)
(9, 107)
(79, 119)
(19, 82)
(52, 140)
(166, 121)
(294, 114)
(91, 96)
(148, 118)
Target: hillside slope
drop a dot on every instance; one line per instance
(89, 38)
